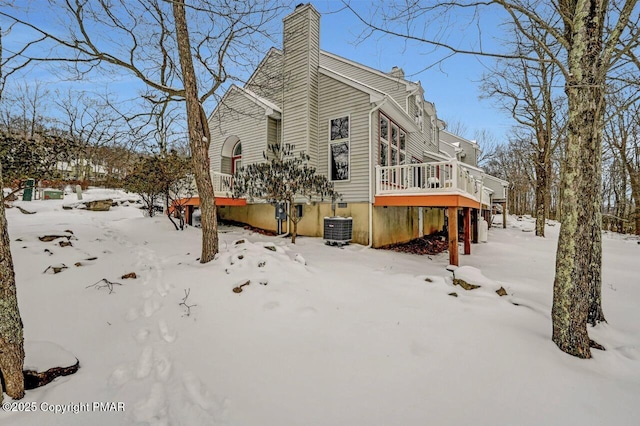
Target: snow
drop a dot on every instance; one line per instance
(321, 335)
(41, 356)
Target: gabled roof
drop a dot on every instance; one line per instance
(376, 97)
(410, 86)
(270, 109)
(442, 156)
(272, 52)
(498, 180)
(454, 146)
(460, 139)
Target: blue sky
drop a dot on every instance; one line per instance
(452, 85)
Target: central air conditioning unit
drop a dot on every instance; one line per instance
(338, 230)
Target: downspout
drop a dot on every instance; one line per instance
(371, 183)
(420, 209)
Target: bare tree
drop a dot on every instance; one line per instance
(91, 125)
(527, 90)
(595, 37)
(488, 143)
(154, 41)
(199, 135)
(622, 135)
(11, 336)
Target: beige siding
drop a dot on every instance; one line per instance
(339, 100)
(273, 135)
(300, 105)
(267, 80)
(395, 88)
(239, 117)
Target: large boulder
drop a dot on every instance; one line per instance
(99, 205)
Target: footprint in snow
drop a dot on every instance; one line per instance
(163, 367)
(197, 391)
(150, 307)
(131, 315)
(152, 410)
(120, 376)
(162, 288)
(142, 335)
(145, 363)
(166, 334)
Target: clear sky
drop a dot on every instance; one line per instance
(452, 85)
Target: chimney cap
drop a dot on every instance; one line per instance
(396, 72)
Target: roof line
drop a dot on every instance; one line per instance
(410, 85)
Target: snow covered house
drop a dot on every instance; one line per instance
(372, 133)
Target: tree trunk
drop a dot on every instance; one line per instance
(11, 338)
(571, 285)
(579, 258)
(593, 163)
(199, 137)
(293, 214)
(635, 195)
(541, 194)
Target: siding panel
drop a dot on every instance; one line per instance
(239, 117)
(338, 100)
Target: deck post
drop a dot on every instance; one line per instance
(188, 213)
(467, 230)
(452, 215)
(474, 226)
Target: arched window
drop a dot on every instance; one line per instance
(236, 157)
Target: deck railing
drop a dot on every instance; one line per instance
(222, 184)
(428, 178)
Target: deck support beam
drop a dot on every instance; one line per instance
(474, 226)
(467, 230)
(452, 220)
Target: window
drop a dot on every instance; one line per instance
(339, 148)
(236, 158)
(393, 144)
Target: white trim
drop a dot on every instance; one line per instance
(462, 139)
(410, 86)
(395, 111)
(388, 141)
(437, 155)
(400, 117)
(228, 145)
(270, 109)
(497, 179)
(375, 95)
(336, 141)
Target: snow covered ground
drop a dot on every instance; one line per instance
(321, 335)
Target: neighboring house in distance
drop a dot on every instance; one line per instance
(81, 170)
(372, 133)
